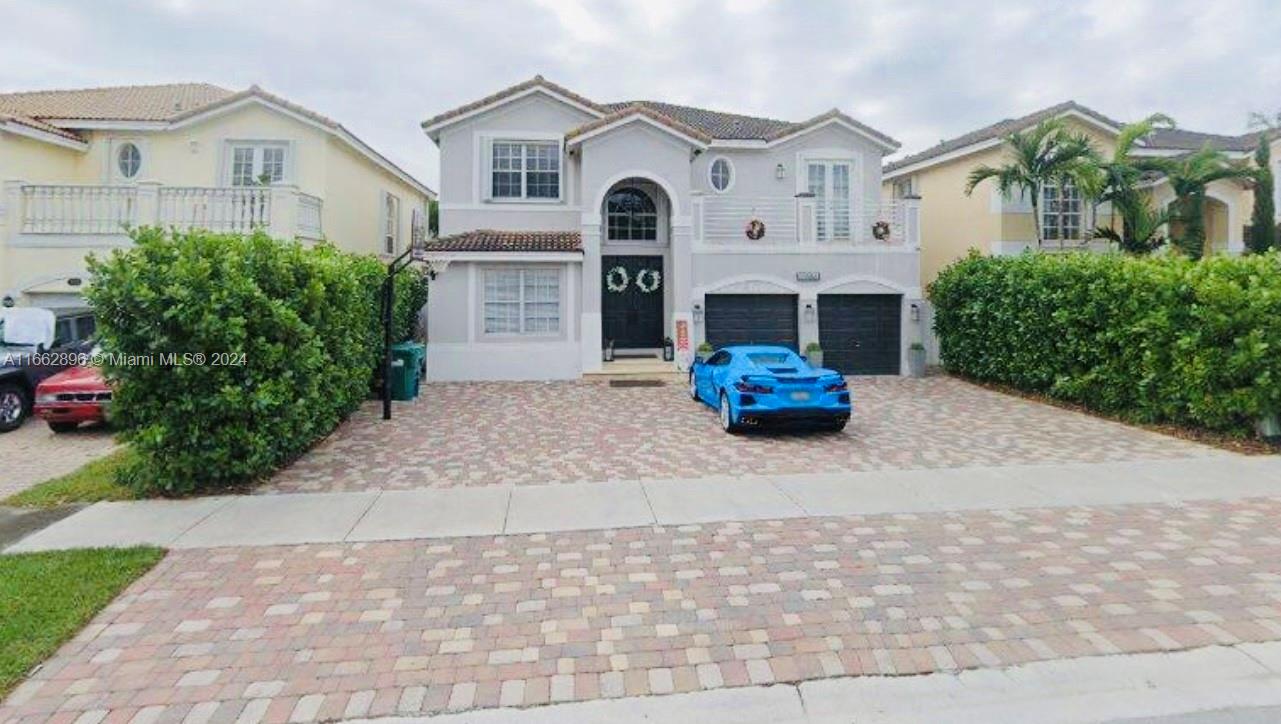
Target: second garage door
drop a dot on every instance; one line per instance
(751, 319)
(860, 333)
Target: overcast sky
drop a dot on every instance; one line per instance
(919, 71)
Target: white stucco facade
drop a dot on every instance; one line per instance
(814, 188)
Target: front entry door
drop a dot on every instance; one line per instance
(632, 301)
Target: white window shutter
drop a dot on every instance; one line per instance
(487, 169)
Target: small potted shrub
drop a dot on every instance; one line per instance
(916, 359)
(703, 352)
(814, 353)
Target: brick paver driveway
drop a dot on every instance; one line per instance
(322, 632)
(33, 454)
(531, 433)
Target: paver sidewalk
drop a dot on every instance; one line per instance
(494, 510)
(317, 632)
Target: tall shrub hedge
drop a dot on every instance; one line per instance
(1150, 339)
(290, 337)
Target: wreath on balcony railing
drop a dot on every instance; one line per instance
(755, 229)
(617, 279)
(881, 230)
(655, 278)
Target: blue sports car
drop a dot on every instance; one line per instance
(752, 386)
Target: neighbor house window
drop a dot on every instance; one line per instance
(721, 174)
(525, 170)
(391, 223)
(522, 301)
(257, 164)
(1061, 212)
(129, 160)
(631, 216)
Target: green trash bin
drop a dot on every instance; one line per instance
(416, 355)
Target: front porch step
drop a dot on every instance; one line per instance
(635, 367)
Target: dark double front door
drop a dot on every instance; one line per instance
(631, 317)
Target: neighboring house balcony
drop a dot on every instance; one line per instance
(805, 224)
(77, 215)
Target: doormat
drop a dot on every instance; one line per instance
(637, 383)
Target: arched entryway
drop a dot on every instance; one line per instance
(635, 234)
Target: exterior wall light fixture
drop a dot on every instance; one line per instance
(779, 172)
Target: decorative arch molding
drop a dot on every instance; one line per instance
(664, 184)
(877, 283)
(33, 284)
(748, 284)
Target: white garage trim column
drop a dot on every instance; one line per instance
(680, 275)
(591, 320)
(807, 321)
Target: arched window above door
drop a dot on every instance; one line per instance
(630, 215)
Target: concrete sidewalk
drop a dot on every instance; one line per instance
(497, 510)
(1066, 691)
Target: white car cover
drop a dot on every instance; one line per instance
(28, 326)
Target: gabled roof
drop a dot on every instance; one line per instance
(1179, 139)
(490, 240)
(637, 110)
(700, 123)
(62, 112)
(999, 130)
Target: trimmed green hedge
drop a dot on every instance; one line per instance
(290, 338)
(1149, 339)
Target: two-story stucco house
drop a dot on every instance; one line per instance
(952, 222)
(569, 226)
(81, 166)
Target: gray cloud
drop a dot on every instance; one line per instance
(917, 70)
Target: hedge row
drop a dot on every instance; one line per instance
(1149, 339)
(290, 338)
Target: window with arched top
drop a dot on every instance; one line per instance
(630, 215)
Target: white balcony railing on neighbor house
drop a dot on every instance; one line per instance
(46, 210)
(806, 222)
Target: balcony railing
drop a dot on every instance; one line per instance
(89, 210)
(806, 221)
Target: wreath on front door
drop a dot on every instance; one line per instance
(881, 230)
(655, 278)
(755, 229)
(617, 279)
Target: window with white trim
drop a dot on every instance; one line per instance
(1062, 213)
(721, 174)
(128, 160)
(522, 301)
(257, 164)
(525, 170)
(829, 181)
(390, 223)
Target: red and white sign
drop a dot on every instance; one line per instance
(682, 335)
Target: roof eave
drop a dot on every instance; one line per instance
(433, 126)
(18, 128)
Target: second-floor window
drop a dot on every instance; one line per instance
(631, 216)
(255, 164)
(1061, 212)
(391, 223)
(525, 170)
(829, 181)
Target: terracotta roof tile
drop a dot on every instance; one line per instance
(491, 240)
(39, 126)
(117, 103)
(642, 110)
(716, 124)
(830, 115)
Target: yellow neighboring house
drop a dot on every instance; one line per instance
(953, 223)
(80, 166)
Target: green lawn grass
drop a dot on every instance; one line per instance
(91, 483)
(45, 598)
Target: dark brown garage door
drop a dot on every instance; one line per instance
(860, 333)
(751, 319)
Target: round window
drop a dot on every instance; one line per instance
(129, 160)
(721, 174)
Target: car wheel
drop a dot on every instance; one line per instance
(693, 388)
(727, 415)
(63, 426)
(838, 425)
(13, 407)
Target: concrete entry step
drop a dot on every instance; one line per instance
(635, 367)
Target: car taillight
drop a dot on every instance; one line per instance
(837, 387)
(753, 388)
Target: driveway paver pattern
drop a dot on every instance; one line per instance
(537, 433)
(322, 632)
(33, 453)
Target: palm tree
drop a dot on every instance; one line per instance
(1189, 175)
(1117, 182)
(1046, 154)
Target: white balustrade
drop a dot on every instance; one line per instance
(229, 209)
(808, 221)
(76, 209)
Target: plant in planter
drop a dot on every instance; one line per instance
(814, 353)
(916, 359)
(703, 352)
